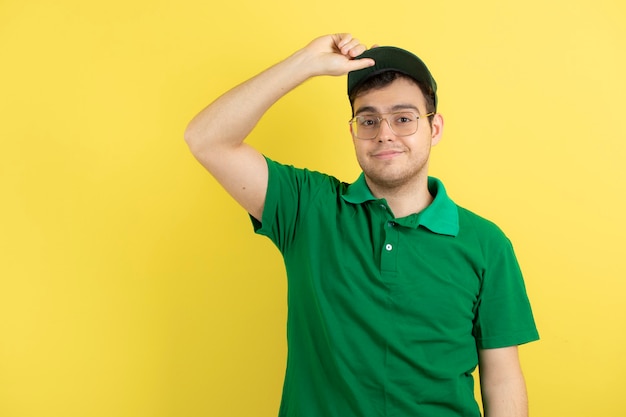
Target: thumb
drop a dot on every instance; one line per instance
(358, 64)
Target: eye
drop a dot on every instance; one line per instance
(367, 121)
(403, 118)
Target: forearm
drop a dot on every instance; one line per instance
(230, 119)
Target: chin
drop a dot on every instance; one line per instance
(390, 181)
(390, 178)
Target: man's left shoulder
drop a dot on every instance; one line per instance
(479, 226)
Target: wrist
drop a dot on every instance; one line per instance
(303, 65)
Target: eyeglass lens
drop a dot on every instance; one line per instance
(401, 124)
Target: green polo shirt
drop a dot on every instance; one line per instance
(385, 314)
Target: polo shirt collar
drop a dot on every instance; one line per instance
(441, 216)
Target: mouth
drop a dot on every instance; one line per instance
(387, 154)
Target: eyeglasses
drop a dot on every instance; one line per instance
(403, 123)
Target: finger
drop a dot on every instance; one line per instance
(356, 50)
(357, 64)
(353, 48)
(342, 39)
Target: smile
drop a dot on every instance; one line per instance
(387, 154)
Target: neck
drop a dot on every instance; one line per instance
(404, 199)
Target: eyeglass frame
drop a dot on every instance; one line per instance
(380, 120)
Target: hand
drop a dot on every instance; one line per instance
(334, 55)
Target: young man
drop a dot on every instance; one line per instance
(396, 294)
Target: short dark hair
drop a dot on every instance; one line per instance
(383, 79)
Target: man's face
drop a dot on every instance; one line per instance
(390, 161)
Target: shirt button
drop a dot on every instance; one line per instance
(389, 246)
(391, 224)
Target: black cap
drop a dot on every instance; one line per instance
(390, 58)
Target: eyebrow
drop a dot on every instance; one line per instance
(395, 108)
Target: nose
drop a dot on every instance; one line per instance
(384, 131)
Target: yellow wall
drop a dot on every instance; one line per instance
(130, 285)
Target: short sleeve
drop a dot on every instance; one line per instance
(504, 316)
(289, 194)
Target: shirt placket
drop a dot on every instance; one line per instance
(390, 245)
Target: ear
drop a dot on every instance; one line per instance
(436, 129)
(354, 140)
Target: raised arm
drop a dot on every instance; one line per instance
(216, 135)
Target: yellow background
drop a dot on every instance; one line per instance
(131, 285)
